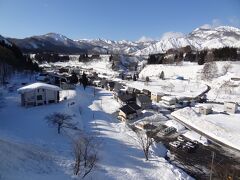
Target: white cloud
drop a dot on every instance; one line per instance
(171, 34)
(213, 24)
(206, 26)
(144, 39)
(234, 21)
(216, 22)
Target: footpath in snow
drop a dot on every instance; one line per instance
(120, 157)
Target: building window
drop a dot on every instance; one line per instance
(39, 97)
(51, 101)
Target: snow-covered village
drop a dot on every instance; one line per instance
(154, 108)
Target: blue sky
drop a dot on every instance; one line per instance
(113, 19)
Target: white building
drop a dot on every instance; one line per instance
(169, 100)
(38, 94)
(230, 107)
(205, 109)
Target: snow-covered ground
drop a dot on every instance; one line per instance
(174, 87)
(31, 149)
(222, 127)
(192, 72)
(99, 65)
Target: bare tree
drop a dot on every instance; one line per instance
(226, 67)
(209, 71)
(78, 155)
(85, 155)
(144, 142)
(170, 86)
(227, 87)
(61, 120)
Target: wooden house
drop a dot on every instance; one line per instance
(126, 99)
(129, 112)
(39, 94)
(143, 101)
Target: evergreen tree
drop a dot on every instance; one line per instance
(84, 80)
(134, 77)
(162, 75)
(74, 78)
(122, 76)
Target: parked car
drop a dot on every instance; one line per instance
(180, 138)
(189, 147)
(168, 131)
(190, 144)
(175, 144)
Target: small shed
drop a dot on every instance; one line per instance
(169, 100)
(205, 109)
(38, 94)
(230, 107)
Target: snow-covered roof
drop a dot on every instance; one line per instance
(38, 85)
(158, 93)
(206, 106)
(169, 98)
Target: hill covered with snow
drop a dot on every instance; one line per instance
(200, 38)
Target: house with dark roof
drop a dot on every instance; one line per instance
(110, 85)
(146, 92)
(129, 111)
(143, 101)
(124, 99)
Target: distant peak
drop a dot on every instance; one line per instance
(222, 28)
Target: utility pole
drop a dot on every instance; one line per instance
(213, 155)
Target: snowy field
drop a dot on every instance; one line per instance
(192, 72)
(222, 127)
(181, 88)
(31, 149)
(190, 87)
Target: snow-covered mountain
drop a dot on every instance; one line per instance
(123, 46)
(199, 39)
(3, 39)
